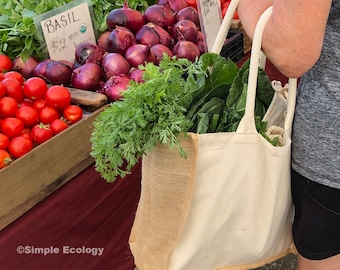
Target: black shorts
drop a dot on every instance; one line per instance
(316, 227)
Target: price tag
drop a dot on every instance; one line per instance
(210, 20)
(64, 29)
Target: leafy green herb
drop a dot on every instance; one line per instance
(150, 113)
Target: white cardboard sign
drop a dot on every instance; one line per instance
(210, 20)
(65, 30)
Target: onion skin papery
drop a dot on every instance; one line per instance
(89, 53)
(54, 72)
(185, 30)
(158, 50)
(25, 68)
(139, 54)
(115, 86)
(186, 49)
(161, 15)
(115, 64)
(125, 16)
(119, 40)
(89, 76)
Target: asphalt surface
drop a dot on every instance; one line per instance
(285, 263)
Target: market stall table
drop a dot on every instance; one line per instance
(86, 213)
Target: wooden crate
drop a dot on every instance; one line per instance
(237, 25)
(32, 177)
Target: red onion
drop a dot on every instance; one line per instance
(115, 64)
(89, 76)
(54, 72)
(125, 16)
(68, 63)
(102, 39)
(158, 50)
(89, 53)
(119, 40)
(75, 65)
(200, 42)
(25, 68)
(175, 5)
(151, 34)
(161, 15)
(40, 69)
(164, 36)
(185, 30)
(186, 49)
(138, 54)
(136, 75)
(58, 72)
(188, 13)
(115, 86)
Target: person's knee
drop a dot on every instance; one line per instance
(331, 263)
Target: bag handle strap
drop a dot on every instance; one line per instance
(257, 59)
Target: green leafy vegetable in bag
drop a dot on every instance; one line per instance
(177, 97)
(150, 113)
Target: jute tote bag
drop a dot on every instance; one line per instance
(227, 206)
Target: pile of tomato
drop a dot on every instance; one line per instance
(224, 7)
(31, 112)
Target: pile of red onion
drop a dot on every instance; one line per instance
(133, 38)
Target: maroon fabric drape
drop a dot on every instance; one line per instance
(85, 213)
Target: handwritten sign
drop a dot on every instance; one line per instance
(65, 30)
(210, 20)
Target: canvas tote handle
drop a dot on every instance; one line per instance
(257, 59)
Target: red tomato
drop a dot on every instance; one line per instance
(58, 96)
(8, 107)
(19, 146)
(26, 132)
(4, 141)
(28, 115)
(72, 113)
(2, 89)
(11, 127)
(39, 104)
(15, 75)
(26, 102)
(35, 88)
(5, 158)
(224, 11)
(58, 126)
(236, 17)
(48, 114)
(6, 63)
(223, 1)
(191, 3)
(2, 76)
(226, 4)
(14, 89)
(41, 133)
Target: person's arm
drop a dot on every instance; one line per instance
(293, 36)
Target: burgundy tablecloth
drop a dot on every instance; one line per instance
(86, 213)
